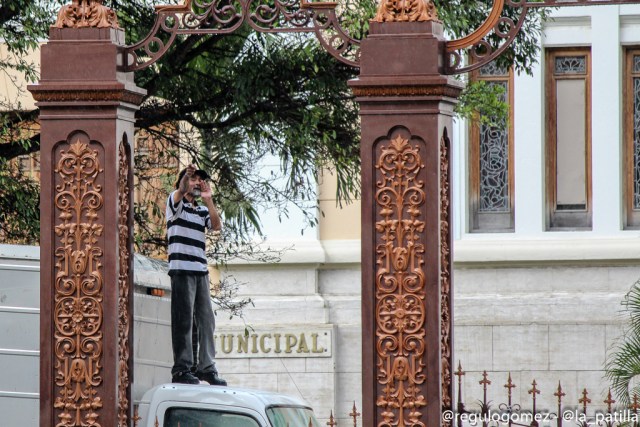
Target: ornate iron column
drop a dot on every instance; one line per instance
(87, 109)
(406, 107)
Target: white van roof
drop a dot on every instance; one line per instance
(204, 393)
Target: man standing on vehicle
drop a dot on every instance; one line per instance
(187, 222)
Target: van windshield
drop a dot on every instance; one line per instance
(287, 416)
(195, 417)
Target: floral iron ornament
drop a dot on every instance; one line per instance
(124, 283)
(406, 11)
(86, 13)
(400, 284)
(78, 287)
(215, 17)
(446, 318)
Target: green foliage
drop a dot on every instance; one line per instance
(23, 24)
(19, 206)
(623, 362)
(355, 16)
(236, 101)
(484, 102)
(251, 99)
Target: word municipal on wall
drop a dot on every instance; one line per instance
(236, 343)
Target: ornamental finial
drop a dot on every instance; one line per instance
(86, 13)
(406, 11)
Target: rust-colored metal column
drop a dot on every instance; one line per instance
(87, 112)
(406, 108)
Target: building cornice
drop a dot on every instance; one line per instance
(482, 252)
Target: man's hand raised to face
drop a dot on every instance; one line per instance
(205, 190)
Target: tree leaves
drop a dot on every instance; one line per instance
(238, 103)
(483, 102)
(252, 100)
(18, 194)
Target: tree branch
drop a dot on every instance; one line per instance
(11, 150)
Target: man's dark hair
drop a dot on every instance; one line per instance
(201, 173)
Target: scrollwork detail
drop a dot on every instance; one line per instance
(86, 13)
(400, 283)
(282, 16)
(477, 47)
(445, 277)
(124, 318)
(78, 315)
(406, 11)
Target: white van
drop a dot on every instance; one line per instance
(182, 405)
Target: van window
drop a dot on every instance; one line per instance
(283, 416)
(192, 417)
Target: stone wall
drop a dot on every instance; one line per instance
(544, 320)
(542, 323)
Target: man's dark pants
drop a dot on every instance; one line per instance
(190, 294)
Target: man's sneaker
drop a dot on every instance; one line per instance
(212, 378)
(185, 378)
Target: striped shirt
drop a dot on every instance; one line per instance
(186, 226)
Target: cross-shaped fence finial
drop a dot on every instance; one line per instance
(559, 393)
(354, 414)
(332, 422)
(584, 400)
(609, 401)
(485, 380)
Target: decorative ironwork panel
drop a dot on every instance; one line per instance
(400, 282)
(493, 70)
(124, 285)
(86, 13)
(406, 11)
(570, 65)
(499, 30)
(636, 142)
(446, 356)
(494, 163)
(213, 17)
(636, 64)
(78, 299)
(503, 23)
(566, 3)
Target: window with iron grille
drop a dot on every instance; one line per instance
(491, 162)
(632, 139)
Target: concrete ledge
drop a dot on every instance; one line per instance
(558, 248)
(567, 248)
(623, 250)
(342, 251)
